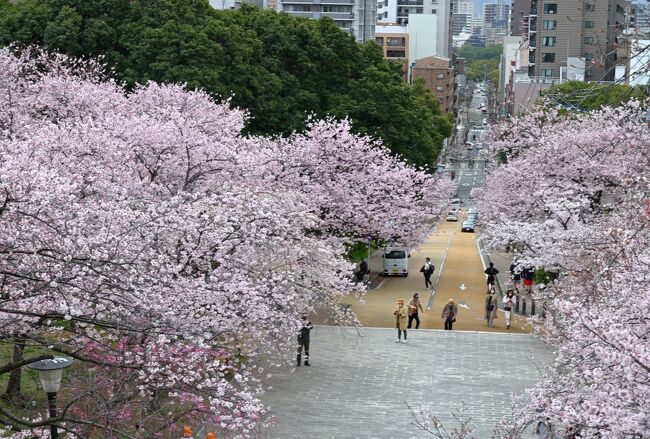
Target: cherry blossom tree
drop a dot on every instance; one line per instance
(171, 256)
(574, 198)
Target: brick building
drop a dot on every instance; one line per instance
(438, 75)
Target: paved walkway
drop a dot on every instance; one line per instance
(461, 278)
(358, 387)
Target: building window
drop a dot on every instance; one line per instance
(396, 42)
(589, 56)
(379, 40)
(589, 24)
(589, 40)
(385, 14)
(547, 73)
(548, 41)
(418, 10)
(434, 11)
(590, 7)
(550, 24)
(550, 8)
(395, 54)
(440, 87)
(440, 76)
(548, 57)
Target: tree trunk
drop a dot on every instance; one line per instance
(13, 385)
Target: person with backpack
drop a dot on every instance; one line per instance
(303, 340)
(490, 307)
(491, 274)
(413, 306)
(508, 304)
(515, 275)
(449, 314)
(427, 269)
(527, 275)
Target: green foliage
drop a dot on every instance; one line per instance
(472, 54)
(585, 96)
(481, 61)
(280, 68)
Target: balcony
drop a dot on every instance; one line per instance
(531, 58)
(532, 43)
(410, 2)
(337, 15)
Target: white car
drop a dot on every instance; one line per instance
(452, 216)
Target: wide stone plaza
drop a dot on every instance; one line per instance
(360, 382)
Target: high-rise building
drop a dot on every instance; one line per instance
(404, 9)
(463, 11)
(354, 16)
(518, 10)
(574, 29)
(495, 20)
(639, 19)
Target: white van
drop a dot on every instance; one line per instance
(396, 261)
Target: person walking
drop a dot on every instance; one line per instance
(490, 307)
(303, 340)
(413, 306)
(543, 429)
(491, 274)
(449, 314)
(527, 275)
(427, 270)
(508, 304)
(515, 275)
(363, 271)
(400, 312)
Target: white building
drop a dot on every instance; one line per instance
(404, 11)
(510, 61)
(423, 36)
(637, 67)
(354, 16)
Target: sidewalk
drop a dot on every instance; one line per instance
(359, 385)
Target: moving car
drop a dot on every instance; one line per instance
(396, 261)
(452, 216)
(468, 226)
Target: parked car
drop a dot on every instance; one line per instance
(452, 216)
(468, 226)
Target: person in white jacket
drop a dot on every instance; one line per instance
(508, 305)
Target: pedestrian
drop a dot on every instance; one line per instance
(490, 307)
(491, 274)
(515, 275)
(400, 313)
(527, 275)
(303, 340)
(427, 269)
(508, 304)
(363, 271)
(413, 306)
(449, 314)
(543, 429)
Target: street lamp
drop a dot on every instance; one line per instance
(50, 373)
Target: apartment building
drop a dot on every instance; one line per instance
(438, 75)
(558, 30)
(463, 11)
(394, 41)
(400, 11)
(518, 10)
(354, 16)
(495, 21)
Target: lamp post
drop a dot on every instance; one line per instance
(50, 373)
